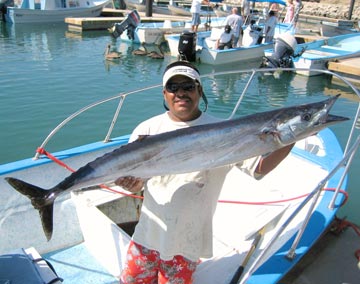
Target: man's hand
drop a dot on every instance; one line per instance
(130, 183)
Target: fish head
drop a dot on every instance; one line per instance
(296, 123)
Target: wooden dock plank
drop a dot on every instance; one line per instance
(103, 23)
(349, 66)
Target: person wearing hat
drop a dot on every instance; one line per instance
(175, 226)
(225, 39)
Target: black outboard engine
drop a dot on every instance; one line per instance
(284, 49)
(130, 23)
(187, 46)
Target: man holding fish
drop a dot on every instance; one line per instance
(182, 165)
(175, 226)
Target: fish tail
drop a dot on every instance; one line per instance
(41, 199)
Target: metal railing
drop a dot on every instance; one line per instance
(345, 162)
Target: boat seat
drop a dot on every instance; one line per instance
(318, 53)
(211, 41)
(26, 266)
(342, 49)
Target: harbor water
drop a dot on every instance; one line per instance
(47, 73)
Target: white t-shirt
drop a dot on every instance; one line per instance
(225, 37)
(271, 23)
(236, 22)
(250, 37)
(195, 6)
(177, 211)
(245, 4)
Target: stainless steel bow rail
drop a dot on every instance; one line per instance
(122, 97)
(314, 195)
(345, 163)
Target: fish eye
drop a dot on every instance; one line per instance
(306, 117)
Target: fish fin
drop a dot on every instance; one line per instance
(40, 200)
(46, 215)
(266, 132)
(141, 137)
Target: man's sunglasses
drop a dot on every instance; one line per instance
(186, 86)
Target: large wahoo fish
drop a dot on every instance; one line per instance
(189, 149)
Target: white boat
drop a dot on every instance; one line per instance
(153, 32)
(140, 6)
(182, 10)
(205, 50)
(315, 55)
(46, 11)
(340, 27)
(286, 212)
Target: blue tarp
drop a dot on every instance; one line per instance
(281, 2)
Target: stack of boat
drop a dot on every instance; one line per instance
(32, 11)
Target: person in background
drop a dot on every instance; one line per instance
(175, 226)
(195, 12)
(252, 34)
(225, 39)
(290, 9)
(270, 26)
(298, 7)
(245, 11)
(274, 7)
(236, 23)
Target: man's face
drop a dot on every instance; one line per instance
(182, 95)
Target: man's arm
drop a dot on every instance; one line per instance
(130, 183)
(271, 161)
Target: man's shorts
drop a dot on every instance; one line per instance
(195, 20)
(145, 266)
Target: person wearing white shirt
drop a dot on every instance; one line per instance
(236, 22)
(270, 26)
(175, 226)
(245, 10)
(195, 12)
(225, 39)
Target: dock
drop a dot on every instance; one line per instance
(332, 260)
(349, 68)
(111, 16)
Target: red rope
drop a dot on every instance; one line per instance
(283, 200)
(42, 151)
(341, 225)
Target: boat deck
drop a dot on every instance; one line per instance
(79, 24)
(77, 263)
(331, 261)
(320, 52)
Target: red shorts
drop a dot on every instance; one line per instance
(145, 266)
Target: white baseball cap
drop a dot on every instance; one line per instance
(183, 70)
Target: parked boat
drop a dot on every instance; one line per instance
(330, 29)
(93, 227)
(316, 55)
(153, 32)
(202, 46)
(140, 6)
(32, 11)
(183, 10)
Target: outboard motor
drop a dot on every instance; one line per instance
(284, 49)
(130, 23)
(187, 46)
